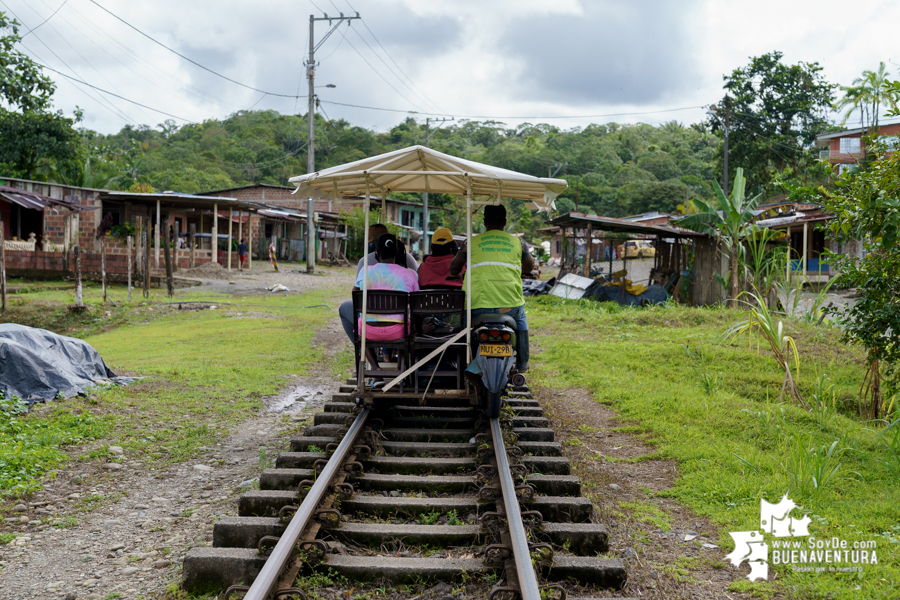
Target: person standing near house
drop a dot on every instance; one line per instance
(242, 254)
(272, 256)
(498, 261)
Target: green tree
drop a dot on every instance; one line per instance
(22, 84)
(774, 112)
(867, 94)
(729, 223)
(37, 144)
(866, 207)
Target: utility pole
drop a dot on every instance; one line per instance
(310, 115)
(725, 121)
(423, 243)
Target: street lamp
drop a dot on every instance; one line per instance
(713, 112)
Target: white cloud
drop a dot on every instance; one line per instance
(517, 58)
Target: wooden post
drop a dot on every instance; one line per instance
(103, 270)
(67, 222)
(787, 276)
(191, 240)
(803, 266)
(228, 250)
(130, 244)
(2, 271)
(214, 243)
(170, 284)
(158, 235)
(240, 234)
(590, 250)
(78, 296)
(138, 246)
(146, 255)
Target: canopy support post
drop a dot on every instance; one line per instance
(468, 274)
(360, 378)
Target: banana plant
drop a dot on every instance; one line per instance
(730, 223)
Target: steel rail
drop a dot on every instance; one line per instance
(528, 585)
(264, 584)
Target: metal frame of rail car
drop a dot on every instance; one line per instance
(418, 169)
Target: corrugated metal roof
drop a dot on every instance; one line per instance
(612, 224)
(35, 201)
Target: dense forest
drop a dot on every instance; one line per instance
(612, 169)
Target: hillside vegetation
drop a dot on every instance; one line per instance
(611, 169)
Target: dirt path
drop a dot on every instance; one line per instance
(128, 529)
(670, 551)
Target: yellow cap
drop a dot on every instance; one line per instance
(441, 236)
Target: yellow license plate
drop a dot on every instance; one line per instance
(495, 350)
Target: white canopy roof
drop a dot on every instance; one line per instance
(420, 169)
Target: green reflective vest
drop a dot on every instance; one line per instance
(496, 271)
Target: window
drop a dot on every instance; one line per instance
(849, 145)
(847, 168)
(558, 247)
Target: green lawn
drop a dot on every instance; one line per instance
(205, 371)
(714, 408)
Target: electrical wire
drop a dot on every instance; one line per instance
(80, 55)
(104, 103)
(377, 72)
(113, 94)
(158, 74)
(372, 33)
(190, 60)
(396, 110)
(45, 20)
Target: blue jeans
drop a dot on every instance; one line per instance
(347, 318)
(517, 313)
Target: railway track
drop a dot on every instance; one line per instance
(388, 502)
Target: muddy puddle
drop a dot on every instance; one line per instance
(298, 397)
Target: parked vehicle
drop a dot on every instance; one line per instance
(639, 249)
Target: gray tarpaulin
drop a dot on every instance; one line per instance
(36, 364)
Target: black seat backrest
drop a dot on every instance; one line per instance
(432, 302)
(494, 318)
(381, 302)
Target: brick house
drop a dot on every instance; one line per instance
(288, 231)
(844, 149)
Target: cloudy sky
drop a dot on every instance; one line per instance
(565, 62)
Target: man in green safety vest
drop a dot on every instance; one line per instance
(498, 261)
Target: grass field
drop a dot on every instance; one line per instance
(204, 372)
(713, 407)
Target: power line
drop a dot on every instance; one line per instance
(377, 72)
(190, 60)
(45, 20)
(630, 114)
(158, 73)
(104, 103)
(81, 56)
(389, 68)
(372, 33)
(113, 94)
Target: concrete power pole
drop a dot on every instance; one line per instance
(423, 243)
(311, 147)
(724, 118)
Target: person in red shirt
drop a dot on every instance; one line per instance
(436, 267)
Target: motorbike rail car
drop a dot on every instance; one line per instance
(493, 498)
(418, 169)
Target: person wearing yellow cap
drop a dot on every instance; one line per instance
(435, 268)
